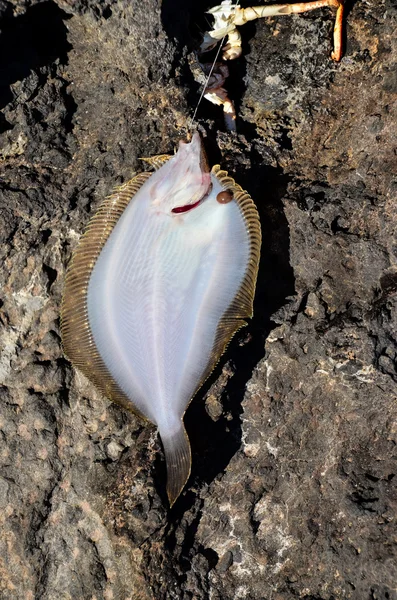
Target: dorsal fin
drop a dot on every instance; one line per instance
(77, 339)
(156, 162)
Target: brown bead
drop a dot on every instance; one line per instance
(225, 197)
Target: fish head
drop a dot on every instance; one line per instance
(184, 181)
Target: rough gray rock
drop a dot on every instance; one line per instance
(293, 489)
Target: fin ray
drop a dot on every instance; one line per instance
(156, 162)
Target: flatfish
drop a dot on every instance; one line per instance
(162, 278)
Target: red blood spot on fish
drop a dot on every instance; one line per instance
(182, 209)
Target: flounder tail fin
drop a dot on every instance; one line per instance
(179, 459)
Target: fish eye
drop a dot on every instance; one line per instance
(187, 207)
(225, 197)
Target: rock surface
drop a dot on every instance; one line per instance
(293, 489)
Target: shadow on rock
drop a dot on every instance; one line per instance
(30, 41)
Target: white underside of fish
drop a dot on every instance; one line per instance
(156, 295)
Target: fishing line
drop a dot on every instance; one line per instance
(209, 76)
(207, 80)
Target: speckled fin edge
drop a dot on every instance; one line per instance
(77, 339)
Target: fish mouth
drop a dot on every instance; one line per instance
(185, 208)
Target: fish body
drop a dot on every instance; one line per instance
(161, 280)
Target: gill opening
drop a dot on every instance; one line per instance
(187, 207)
